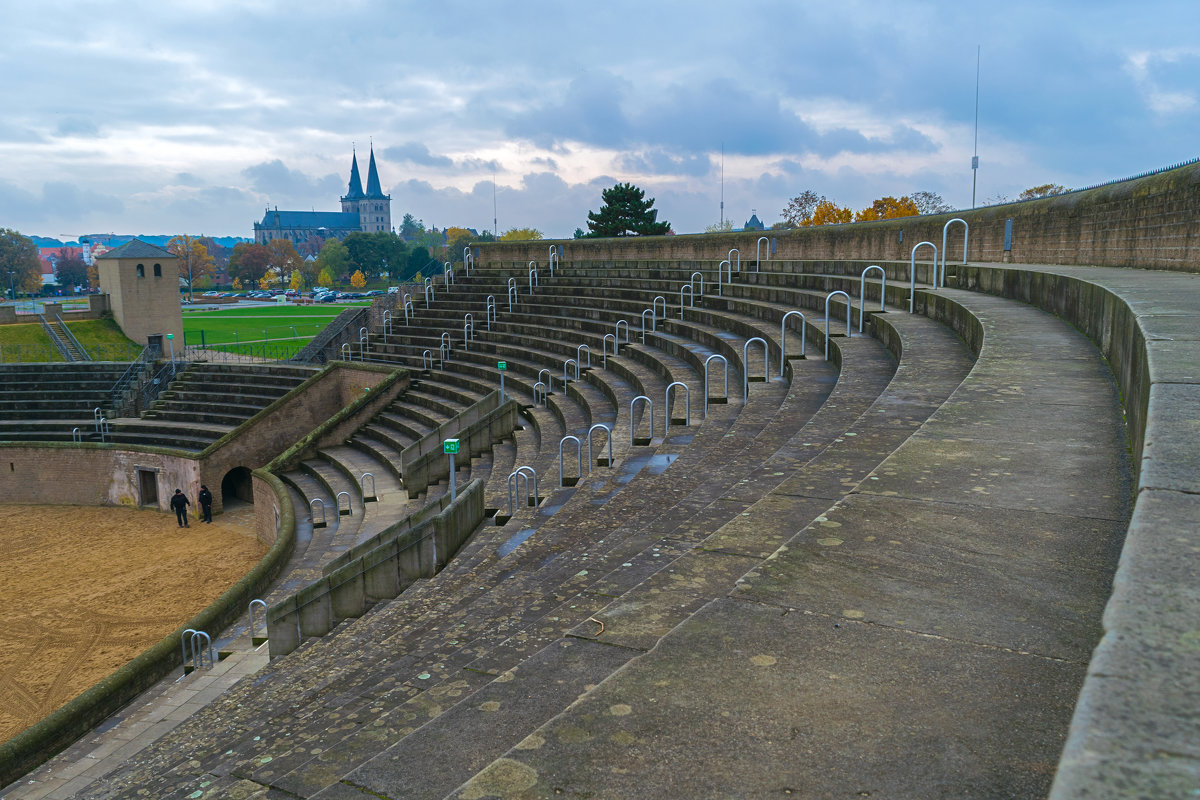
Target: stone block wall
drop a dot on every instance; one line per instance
(1150, 223)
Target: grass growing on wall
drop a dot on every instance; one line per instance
(26, 342)
(102, 332)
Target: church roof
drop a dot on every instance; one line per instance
(355, 191)
(373, 187)
(136, 248)
(310, 219)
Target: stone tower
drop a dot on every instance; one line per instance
(374, 208)
(142, 284)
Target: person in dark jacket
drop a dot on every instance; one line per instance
(205, 498)
(179, 502)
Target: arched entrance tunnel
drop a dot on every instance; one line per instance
(237, 485)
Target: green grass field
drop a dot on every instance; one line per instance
(26, 342)
(270, 324)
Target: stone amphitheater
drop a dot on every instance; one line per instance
(832, 519)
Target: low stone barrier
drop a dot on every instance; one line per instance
(479, 427)
(1135, 727)
(403, 554)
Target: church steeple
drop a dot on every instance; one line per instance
(356, 191)
(373, 187)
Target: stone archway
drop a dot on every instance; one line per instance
(237, 485)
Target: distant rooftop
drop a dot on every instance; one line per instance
(136, 248)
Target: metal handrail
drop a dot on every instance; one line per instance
(489, 310)
(535, 393)
(349, 503)
(862, 293)
(720, 291)
(67, 330)
(966, 234)
(649, 311)
(578, 458)
(429, 293)
(783, 337)
(579, 351)
(250, 614)
(312, 516)
(708, 360)
(739, 262)
(687, 404)
(427, 361)
(691, 296)
(608, 430)
(746, 365)
(829, 297)
(650, 409)
(912, 274)
(565, 363)
(604, 349)
(757, 256)
(654, 305)
(617, 332)
(692, 282)
(533, 276)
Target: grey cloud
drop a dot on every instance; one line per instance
(12, 132)
(77, 126)
(416, 153)
(590, 111)
(660, 162)
(58, 201)
(275, 179)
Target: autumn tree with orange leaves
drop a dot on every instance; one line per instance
(888, 208)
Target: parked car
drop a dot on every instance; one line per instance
(373, 293)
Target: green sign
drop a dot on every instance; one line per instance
(170, 336)
(501, 365)
(450, 446)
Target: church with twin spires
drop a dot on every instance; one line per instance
(368, 212)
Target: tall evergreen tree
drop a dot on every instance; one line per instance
(626, 212)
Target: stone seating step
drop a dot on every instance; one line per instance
(383, 768)
(963, 577)
(723, 409)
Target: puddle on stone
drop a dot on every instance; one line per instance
(659, 463)
(514, 541)
(558, 499)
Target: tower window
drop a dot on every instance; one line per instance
(158, 270)
(141, 270)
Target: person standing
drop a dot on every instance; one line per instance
(205, 498)
(179, 502)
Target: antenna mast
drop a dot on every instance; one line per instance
(975, 158)
(722, 184)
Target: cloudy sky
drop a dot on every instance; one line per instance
(171, 117)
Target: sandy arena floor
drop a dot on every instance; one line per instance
(85, 589)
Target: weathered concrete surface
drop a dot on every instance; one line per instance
(965, 575)
(1136, 724)
(751, 701)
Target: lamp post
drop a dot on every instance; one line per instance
(12, 282)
